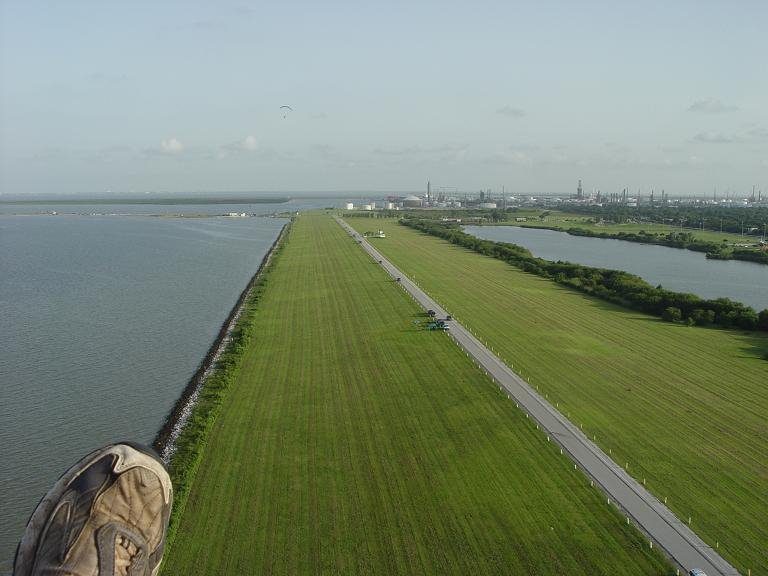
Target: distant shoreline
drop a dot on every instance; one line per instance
(166, 201)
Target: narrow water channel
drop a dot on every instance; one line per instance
(672, 268)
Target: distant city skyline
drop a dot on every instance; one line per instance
(178, 97)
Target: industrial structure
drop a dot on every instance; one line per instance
(449, 197)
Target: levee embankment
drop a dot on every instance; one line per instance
(354, 440)
(181, 438)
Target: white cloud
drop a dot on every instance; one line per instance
(247, 144)
(510, 111)
(711, 106)
(715, 138)
(397, 150)
(753, 134)
(171, 146)
(420, 150)
(250, 143)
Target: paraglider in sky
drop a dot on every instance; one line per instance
(285, 110)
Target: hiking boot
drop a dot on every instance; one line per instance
(107, 516)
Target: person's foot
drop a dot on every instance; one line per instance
(107, 515)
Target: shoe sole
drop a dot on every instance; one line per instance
(139, 456)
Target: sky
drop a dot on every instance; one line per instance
(110, 97)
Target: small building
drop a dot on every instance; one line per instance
(521, 219)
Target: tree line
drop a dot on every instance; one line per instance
(717, 218)
(615, 286)
(687, 240)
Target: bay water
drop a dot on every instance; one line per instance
(103, 320)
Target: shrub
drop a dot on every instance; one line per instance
(672, 314)
(762, 320)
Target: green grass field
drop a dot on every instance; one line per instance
(353, 442)
(685, 408)
(567, 220)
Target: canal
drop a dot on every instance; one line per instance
(672, 268)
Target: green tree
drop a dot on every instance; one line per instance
(672, 314)
(762, 320)
(498, 215)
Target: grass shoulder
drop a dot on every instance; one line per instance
(683, 407)
(352, 440)
(190, 444)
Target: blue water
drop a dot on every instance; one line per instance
(103, 320)
(673, 268)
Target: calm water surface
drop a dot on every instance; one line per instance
(293, 205)
(103, 319)
(674, 269)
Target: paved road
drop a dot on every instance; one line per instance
(681, 544)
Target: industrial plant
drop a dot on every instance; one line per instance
(449, 197)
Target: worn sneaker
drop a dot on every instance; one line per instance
(107, 515)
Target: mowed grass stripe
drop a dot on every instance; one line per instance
(687, 408)
(354, 443)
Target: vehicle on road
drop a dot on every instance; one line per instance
(697, 572)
